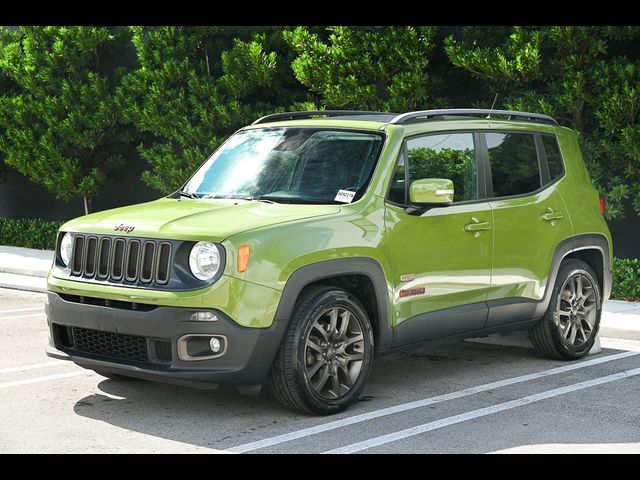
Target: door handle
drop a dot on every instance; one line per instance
(476, 227)
(550, 215)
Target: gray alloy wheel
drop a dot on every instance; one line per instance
(576, 312)
(326, 356)
(334, 351)
(568, 329)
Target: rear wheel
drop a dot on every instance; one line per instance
(326, 355)
(571, 323)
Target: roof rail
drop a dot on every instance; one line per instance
(431, 114)
(274, 117)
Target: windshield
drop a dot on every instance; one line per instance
(291, 165)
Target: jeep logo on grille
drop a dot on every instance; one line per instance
(124, 228)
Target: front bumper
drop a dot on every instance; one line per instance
(246, 361)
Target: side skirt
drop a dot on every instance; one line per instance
(521, 325)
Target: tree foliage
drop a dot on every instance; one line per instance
(196, 85)
(586, 77)
(367, 68)
(69, 112)
(60, 125)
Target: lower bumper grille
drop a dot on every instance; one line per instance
(117, 346)
(163, 350)
(108, 344)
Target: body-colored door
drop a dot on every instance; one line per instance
(529, 220)
(441, 259)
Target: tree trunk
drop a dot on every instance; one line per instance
(87, 204)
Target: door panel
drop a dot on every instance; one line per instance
(438, 265)
(525, 242)
(527, 228)
(441, 260)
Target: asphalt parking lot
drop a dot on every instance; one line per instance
(463, 397)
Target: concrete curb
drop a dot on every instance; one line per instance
(25, 261)
(23, 282)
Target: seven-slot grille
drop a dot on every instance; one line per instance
(121, 260)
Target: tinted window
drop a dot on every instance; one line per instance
(450, 155)
(398, 186)
(554, 159)
(514, 163)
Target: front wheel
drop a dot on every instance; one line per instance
(326, 355)
(569, 327)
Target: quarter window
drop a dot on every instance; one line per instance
(450, 155)
(554, 158)
(398, 189)
(514, 163)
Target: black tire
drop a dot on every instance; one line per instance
(113, 376)
(289, 376)
(547, 335)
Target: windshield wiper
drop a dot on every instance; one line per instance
(182, 193)
(261, 198)
(293, 200)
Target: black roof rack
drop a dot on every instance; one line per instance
(274, 117)
(454, 112)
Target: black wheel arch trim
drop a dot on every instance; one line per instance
(576, 243)
(334, 268)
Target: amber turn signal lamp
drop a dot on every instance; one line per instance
(243, 257)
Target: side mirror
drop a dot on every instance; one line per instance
(428, 193)
(431, 192)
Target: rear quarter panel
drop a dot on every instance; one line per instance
(578, 192)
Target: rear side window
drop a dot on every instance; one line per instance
(554, 158)
(514, 163)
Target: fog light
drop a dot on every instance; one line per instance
(201, 346)
(215, 345)
(203, 317)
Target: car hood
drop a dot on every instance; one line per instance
(188, 219)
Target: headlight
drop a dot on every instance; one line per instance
(66, 246)
(204, 260)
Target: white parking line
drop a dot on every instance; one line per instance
(33, 366)
(481, 412)
(305, 432)
(48, 378)
(12, 317)
(2, 312)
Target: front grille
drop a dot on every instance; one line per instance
(78, 250)
(104, 255)
(148, 252)
(108, 344)
(133, 249)
(121, 260)
(118, 257)
(164, 257)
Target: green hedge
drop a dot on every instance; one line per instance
(34, 233)
(626, 279)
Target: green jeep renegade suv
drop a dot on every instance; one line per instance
(309, 242)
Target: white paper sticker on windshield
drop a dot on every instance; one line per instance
(345, 196)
